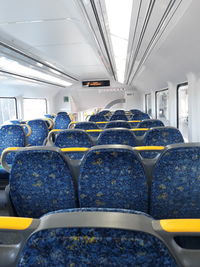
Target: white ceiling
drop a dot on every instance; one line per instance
(56, 31)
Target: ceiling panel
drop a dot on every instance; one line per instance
(56, 31)
(27, 10)
(45, 33)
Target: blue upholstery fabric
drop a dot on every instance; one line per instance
(49, 116)
(140, 116)
(118, 124)
(176, 184)
(11, 136)
(15, 121)
(135, 111)
(93, 247)
(150, 124)
(97, 117)
(114, 178)
(163, 136)
(119, 112)
(104, 112)
(40, 181)
(139, 133)
(62, 121)
(117, 117)
(39, 132)
(86, 125)
(117, 136)
(73, 138)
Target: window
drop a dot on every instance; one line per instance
(34, 108)
(148, 108)
(162, 106)
(182, 109)
(8, 109)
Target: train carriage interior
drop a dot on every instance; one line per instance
(99, 133)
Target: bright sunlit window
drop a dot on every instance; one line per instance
(8, 109)
(34, 108)
(119, 17)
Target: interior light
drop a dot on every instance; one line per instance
(15, 67)
(119, 17)
(39, 64)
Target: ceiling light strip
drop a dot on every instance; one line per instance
(152, 42)
(143, 31)
(102, 36)
(31, 79)
(36, 60)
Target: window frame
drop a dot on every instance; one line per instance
(177, 101)
(12, 97)
(156, 98)
(146, 101)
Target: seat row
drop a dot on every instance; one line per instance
(159, 136)
(98, 237)
(149, 123)
(43, 179)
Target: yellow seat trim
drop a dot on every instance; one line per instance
(101, 121)
(141, 148)
(15, 223)
(11, 148)
(134, 121)
(181, 225)
(74, 149)
(57, 130)
(139, 129)
(94, 130)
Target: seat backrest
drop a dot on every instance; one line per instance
(104, 112)
(162, 136)
(73, 138)
(86, 125)
(116, 117)
(62, 121)
(150, 124)
(119, 112)
(117, 136)
(135, 111)
(140, 116)
(39, 132)
(41, 181)
(176, 183)
(97, 117)
(112, 176)
(118, 124)
(88, 246)
(12, 136)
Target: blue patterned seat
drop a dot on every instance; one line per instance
(117, 136)
(86, 125)
(135, 111)
(140, 116)
(103, 247)
(150, 124)
(112, 177)
(62, 120)
(41, 181)
(118, 124)
(119, 112)
(12, 136)
(162, 136)
(118, 117)
(97, 118)
(73, 138)
(104, 112)
(176, 183)
(39, 132)
(49, 116)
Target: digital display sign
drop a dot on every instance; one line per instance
(96, 83)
